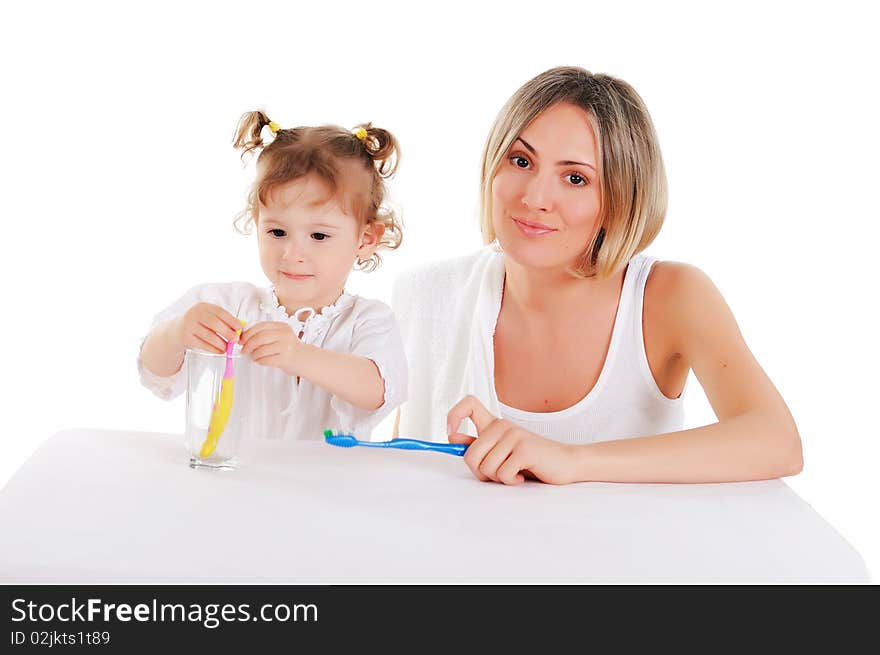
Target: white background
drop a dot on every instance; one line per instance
(119, 183)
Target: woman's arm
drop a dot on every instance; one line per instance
(755, 437)
(754, 446)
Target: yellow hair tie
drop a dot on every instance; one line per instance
(360, 133)
(275, 127)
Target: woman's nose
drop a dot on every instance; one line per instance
(537, 194)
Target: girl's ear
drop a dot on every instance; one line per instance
(370, 238)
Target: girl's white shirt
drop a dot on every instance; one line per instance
(280, 405)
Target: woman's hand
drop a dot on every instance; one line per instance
(207, 327)
(505, 452)
(272, 343)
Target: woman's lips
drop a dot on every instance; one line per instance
(532, 229)
(291, 276)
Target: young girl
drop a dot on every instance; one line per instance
(563, 344)
(329, 359)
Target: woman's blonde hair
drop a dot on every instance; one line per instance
(329, 152)
(632, 180)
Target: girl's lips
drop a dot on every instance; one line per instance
(532, 229)
(291, 276)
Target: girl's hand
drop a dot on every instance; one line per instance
(271, 343)
(505, 452)
(207, 327)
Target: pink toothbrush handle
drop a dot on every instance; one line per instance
(228, 372)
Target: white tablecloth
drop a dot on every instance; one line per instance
(96, 506)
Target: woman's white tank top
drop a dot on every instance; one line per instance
(625, 402)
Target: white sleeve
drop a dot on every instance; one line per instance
(172, 386)
(375, 336)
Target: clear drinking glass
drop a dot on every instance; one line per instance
(207, 401)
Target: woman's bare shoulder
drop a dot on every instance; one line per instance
(678, 295)
(669, 278)
(684, 305)
(679, 287)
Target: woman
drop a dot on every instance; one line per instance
(565, 347)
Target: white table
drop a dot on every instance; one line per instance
(96, 506)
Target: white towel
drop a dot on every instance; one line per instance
(447, 313)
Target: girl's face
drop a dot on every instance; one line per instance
(545, 194)
(308, 244)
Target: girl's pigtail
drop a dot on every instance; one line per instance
(248, 133)
(382, 147)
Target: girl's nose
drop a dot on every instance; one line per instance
(537, 195)
(292, 253)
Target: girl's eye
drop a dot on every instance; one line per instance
(320, 236)
(519, 161)
(277, 233)
(577, 180)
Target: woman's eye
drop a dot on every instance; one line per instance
(519, 161)
(277, 233)
(577, 180)
(320, 236)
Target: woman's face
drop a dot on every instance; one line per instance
(545, 194)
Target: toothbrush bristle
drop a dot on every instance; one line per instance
(343, 440)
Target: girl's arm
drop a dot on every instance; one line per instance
(755, 436)
(204, 326)
(353, 378)
(162, 352)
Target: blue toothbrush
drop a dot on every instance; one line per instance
(348, 441)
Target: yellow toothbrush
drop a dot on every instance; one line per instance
(222, 406)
